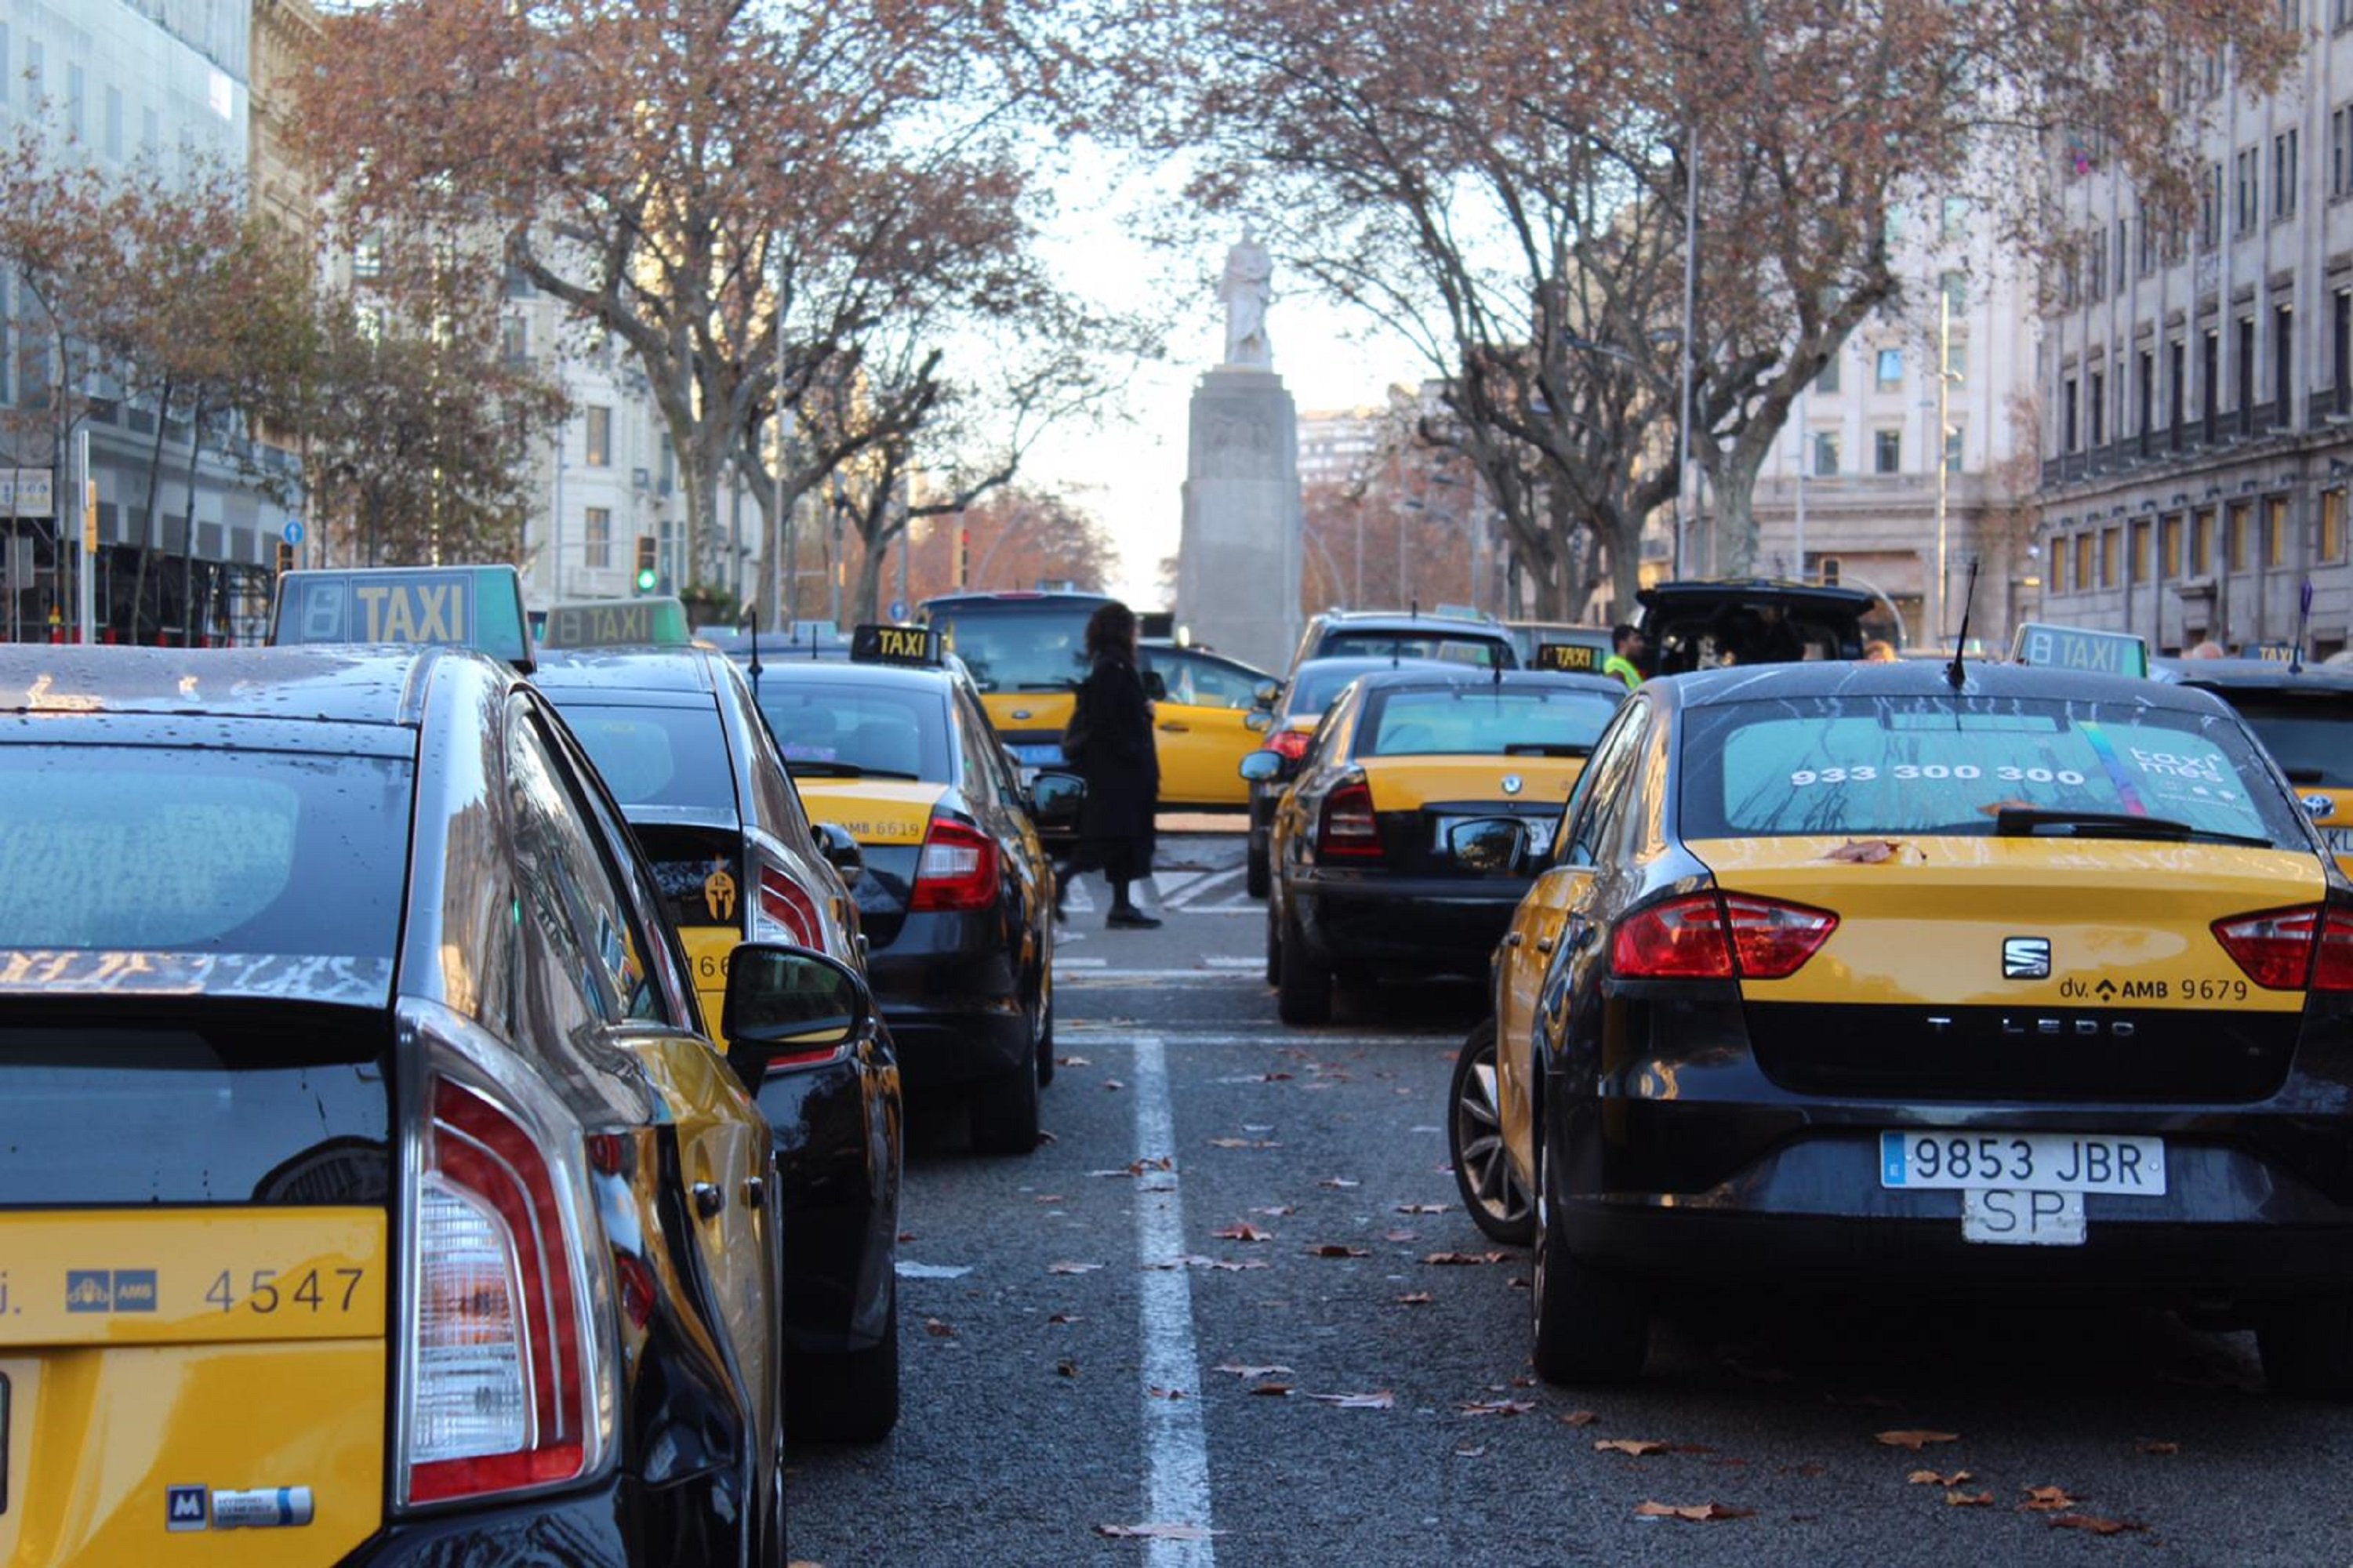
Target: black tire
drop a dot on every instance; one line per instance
(1258, 874)
(1588, 1327)
(2307, 1348)
(1046, 1036)
(1005, 1112)
(1303, 987)
(852, 1397)
(1274, 948)
(1499, 1204)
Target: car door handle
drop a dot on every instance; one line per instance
(1515, 940)
(709, 1199)
(1543, 945)
(1178, 729)
(756, 1192)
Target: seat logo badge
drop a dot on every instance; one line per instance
(2026, 958)
(1511, 783)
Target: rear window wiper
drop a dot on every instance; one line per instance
(1546, 749)
(2305, 775)
(2023, 821)
(800, 768)
(1044, 686)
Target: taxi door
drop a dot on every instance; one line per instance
(1198, 729)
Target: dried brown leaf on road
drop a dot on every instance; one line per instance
(1240, 1370)
(1915, 1439)
(1398, 1236)
(2047, 1500)
(1242, 1144)
(1421, 1208)
(1497, 1406)
(1462, 1260)
(1694, 1513)
(1068, 1368)
(1278, 1389)
(938, 1330)
(1637, 1446)
(1579, 1418)
(1337, 1249)
(1278, 1211)
(1931, 1478)
(2092, 1524)
(1242, 1230)
(1073, 1062)
(1339, 1182)
(1415, 1299)
(1379, 1399)
(1072, 1268)
(1956, 1498)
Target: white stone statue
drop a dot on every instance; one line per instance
(1246, 289)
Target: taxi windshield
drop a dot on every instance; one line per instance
(1040, 648)
(656, 756)
(1930, 766)
(847, 730)
(1484, 653)
(192, 850)
(2312, 742)
(1479, 720)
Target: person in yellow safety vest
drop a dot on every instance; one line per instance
(1625, 662)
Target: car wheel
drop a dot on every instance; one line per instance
(1499, 1205)
(1274, 948)
(1046, 1035)
(1005, 1112)
(847, 1398)
(1302, 986)
(2307, 1348)
(1258, 875)
(1589, 1326)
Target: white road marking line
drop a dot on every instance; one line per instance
(1231, 961)
(1176, 1446)
(1195, 887)
(1061, 963)
(1223, 976)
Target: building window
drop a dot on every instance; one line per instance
(2138, 555)
(2083, 564)
(1887, 451)
(2246, 194)
(2284, 181)
(515, 337)
(1953, 450)
(2210, 207)
(1828, 381)
(2095, 404)
(597, 554)
(2282, 363)
(2067, 442)
(2095, 266)
(2235, 545)
(2202, 542)
(2340, 14)
(1954, 221)
(2067, 278)
(2058, 568)
(1890, 370)
(600, 438)
(1956, 285)
(2274, 531)
(2168, 546)
(2148, 253)
(2107, 558)
(1957, 363)
(2332, 521)
(2340, 146)
(1826, 454)
(367, 258)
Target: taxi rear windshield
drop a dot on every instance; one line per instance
(2312, 742)
(656, 756)
(1476, 721)
(1036, 649)
(1837, 765)
(1484, 653)
(187, 849)
(858, 732)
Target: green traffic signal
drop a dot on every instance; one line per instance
(645, 579)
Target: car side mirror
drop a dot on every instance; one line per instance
(840, 850)
(1260, 766)
(787, 1000)
(1055, 798)
(1266, 693)
(1259, 720)
(1492, 845)
(1155, 685)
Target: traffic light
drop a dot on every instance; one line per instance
(285, 557)
(963, 558)
(648, 574)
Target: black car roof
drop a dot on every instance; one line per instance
(1425, 679)
(1805, 598)
(1917, 678)
(334, 683)
(2227, 675)
(666, 671)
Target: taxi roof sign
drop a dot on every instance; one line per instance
(874, 644)
(1578, 658)
(479, 607)
(656, 622)
(2076, 648)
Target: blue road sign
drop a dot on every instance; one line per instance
(293, 533)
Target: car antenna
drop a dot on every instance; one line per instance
(1953, 671)
(755, 655)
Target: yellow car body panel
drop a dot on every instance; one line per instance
(1200, 748)
(1525, 955)
(708, 948)
(873, 811)
(1926, 923)
(243, 1350)
(1028, 712)
(1411, 782)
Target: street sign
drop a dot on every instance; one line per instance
(32, 497)
(898, 609)
(292, 531)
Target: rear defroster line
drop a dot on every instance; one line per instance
(1177, 1448)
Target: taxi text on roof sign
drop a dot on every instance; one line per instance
(1569, 656)
(459, 606)
(2072, 648)
(896, 644)
(618, 623)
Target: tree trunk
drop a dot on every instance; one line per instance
(1734, 481)
(188, 555)
(151, 540)
(1625, 566)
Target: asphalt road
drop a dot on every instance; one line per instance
(1098, 1338)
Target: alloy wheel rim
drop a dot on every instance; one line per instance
(1479, 1144)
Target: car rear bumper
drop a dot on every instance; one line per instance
(621, 1523)
(1417, 924)
(953, 989)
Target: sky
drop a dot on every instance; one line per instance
(1130, 473)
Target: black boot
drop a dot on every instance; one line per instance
(1061, 898)
(1125, 916)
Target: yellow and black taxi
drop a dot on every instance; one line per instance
(674, 733)
(2303, 713)
(1908, 978)
(1387, 856)
(1025, 654)
(1475, 642)
(955, 892)
(372, 1194)
(1201, 706)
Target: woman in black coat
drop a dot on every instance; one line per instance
(1109, 743)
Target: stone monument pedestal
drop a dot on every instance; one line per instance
(1238, 577)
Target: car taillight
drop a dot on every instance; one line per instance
(1719, 936)
(957, 870)
(2287, 950)
(785, 912)
(1347, 827)
(1289, 744)
(506, 1363)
